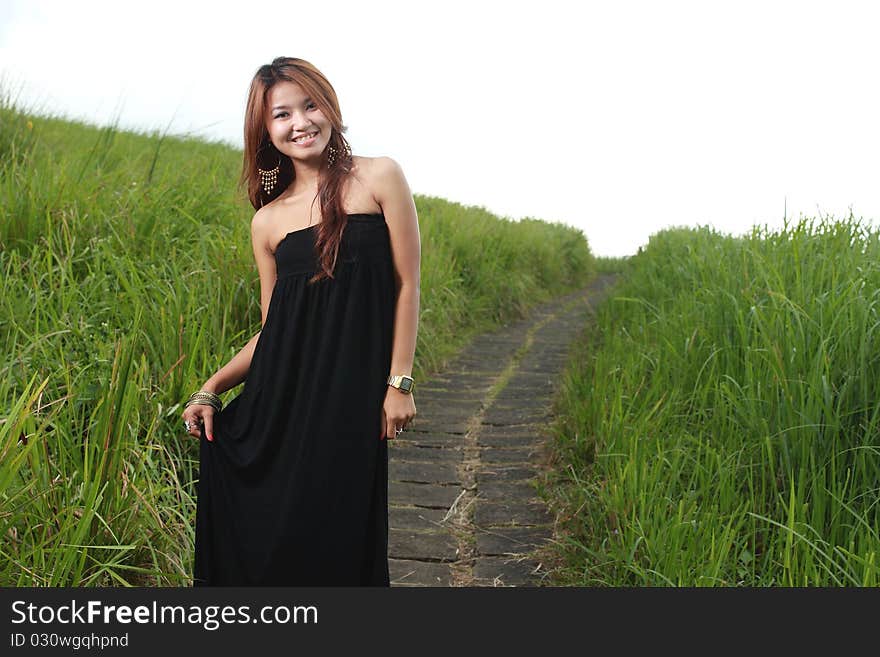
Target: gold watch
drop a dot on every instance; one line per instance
(402, 382)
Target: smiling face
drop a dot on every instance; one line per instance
(297, 127)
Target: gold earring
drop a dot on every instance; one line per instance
(270, 177)
(333, 152)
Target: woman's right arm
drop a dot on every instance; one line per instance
(236, 370)
(229, 376)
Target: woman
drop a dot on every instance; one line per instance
(293, 473)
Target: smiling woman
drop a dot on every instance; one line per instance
(293, 478)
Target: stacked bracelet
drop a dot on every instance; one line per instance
(206, 398)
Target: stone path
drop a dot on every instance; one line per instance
(462, 510)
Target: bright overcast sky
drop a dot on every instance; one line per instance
(620, 118)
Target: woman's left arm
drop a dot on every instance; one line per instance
(393, 194)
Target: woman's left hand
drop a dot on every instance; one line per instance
(398, 410)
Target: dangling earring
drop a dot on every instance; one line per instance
(333, 152)
(270, 177)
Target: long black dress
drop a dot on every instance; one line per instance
(293, 491)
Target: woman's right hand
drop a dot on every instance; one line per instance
(200, 414)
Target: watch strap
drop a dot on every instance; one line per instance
(402, 382)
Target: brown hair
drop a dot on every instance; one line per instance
(259, 151)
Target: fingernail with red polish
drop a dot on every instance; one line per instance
(210, 438)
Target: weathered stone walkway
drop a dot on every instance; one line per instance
(462, 510)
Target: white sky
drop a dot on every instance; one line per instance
(620, 118)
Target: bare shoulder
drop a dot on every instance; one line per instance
(375, 167)
(260, 226)
(260, 218)
(382, 175)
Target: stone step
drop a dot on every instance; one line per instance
(494, 515)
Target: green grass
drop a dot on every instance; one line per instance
(719, 423)
(126, 280)
(611, 265)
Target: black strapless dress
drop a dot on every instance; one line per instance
(293, 491)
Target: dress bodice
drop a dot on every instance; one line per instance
(364, 239)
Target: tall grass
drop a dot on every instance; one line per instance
(126, 279)
(720, 423)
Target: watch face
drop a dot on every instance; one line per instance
(406, 384)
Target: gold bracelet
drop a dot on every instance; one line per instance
(206, 398)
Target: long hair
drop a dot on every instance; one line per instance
(259, 151)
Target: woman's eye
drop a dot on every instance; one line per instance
(309, 106)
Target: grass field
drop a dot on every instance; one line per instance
(719, 424)
(127, 280)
